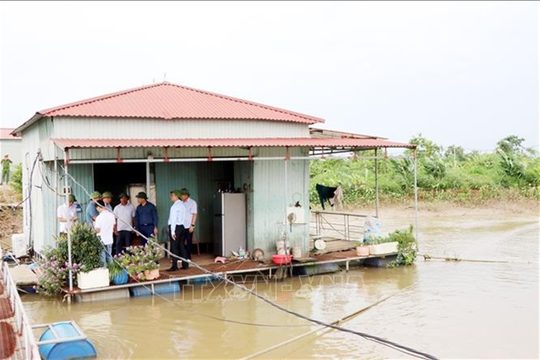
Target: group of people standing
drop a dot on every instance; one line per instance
(116, 225)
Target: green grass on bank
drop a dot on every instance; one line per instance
(509, 173)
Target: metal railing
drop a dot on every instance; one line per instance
(23, 327)
(338, 225)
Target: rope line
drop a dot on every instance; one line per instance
(456, 259)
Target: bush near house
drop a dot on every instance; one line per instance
(54, 266)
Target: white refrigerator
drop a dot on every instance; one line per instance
(229, 223)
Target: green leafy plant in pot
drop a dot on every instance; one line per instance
(86, 248)
(138, 259)
(407, 247)
(54, 264)
(117, 274)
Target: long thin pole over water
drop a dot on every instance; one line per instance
(415, 196)
(66, 184)
(376, 185)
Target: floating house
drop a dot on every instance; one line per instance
(164, 136)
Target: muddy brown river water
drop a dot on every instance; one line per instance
(453, 310)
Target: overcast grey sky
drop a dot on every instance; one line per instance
(463, 73)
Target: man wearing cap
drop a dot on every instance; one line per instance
(6, 166)
(190, 219)
(67, 214)
(146, 217)
(125, 214)
(107, 200)
(177, 230)
(104, 226)
(91, 208)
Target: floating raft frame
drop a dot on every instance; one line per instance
(308, 266)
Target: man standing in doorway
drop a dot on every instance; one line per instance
(189, 220)
(125, 214)
(104, 226)
(177, 230)
(107, 200)
(91, 208)
(67, 215)
(6, 167)
(146, 217)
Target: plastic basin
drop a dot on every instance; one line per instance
(281, 259)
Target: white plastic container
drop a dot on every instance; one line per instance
(93, 279)
(385, 248)
(297, 252)
(18, 245)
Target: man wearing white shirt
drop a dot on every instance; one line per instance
(104, 226)
(190, 219)
(177, 230)
(125, 214)
(67, 215)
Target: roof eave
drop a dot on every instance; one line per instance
(18, 131)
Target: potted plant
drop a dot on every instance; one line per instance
(117, 274)
(86, 251)
(361, 248)
(407, 246)
(141, 262)
(53, 270)
(382, 246)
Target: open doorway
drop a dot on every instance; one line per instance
(116, 178)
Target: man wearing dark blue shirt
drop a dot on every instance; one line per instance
(146, 217)
(91, 208)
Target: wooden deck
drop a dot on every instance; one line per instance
(235, 267)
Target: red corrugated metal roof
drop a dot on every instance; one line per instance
(252, 142)
(5, 134)
(170, 101)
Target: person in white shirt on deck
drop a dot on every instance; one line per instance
(67, 214)
(177, 231)
(125, 215)
(104, 226)
(189, 220)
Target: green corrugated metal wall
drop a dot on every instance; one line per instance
(243, 178)
(84, 175)
(170, 176)
(201, 180)
(270, 201)
(44, 211)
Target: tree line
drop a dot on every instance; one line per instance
(510, 172)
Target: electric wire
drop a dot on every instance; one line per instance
(29, 197)
(315, 331)
(388, 343)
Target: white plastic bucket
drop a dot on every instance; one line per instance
(297, 252)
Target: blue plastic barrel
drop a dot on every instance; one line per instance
(162, 288)
(78, 349)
